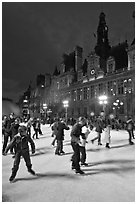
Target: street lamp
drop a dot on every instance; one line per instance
(92, 114)
(25, 100)
(103, 101)
(45, 109)
(66, 104)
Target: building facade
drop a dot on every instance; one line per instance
(106, 71)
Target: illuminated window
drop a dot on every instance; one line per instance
(120, 86)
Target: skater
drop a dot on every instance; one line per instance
(99, 128)
(20, 142)
(54, 131)
(14, 131)
(61, 126)
(39, 126)
(75, 134)
(82, 145)
(130, 128)
(36, 128)
(107, 124)
(7, 131)
(29, 125)
(4, 119)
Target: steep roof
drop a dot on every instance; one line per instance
(56, 72)
(119, 53)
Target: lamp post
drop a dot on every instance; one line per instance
(92, 114)
(66, 104)
(45, 109)
(103, 101)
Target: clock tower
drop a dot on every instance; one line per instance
(102, 48)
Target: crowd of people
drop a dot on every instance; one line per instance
(19, 131)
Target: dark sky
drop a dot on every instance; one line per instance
(35, 35)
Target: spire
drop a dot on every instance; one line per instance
(56, 72)
(102, 48)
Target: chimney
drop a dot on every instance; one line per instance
(78, 58)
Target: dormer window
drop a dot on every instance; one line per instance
(110, 65)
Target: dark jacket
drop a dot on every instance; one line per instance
(8, 125)
(36, 125)
(76, 132)
(14, 129)
(129, 125)
(60, 130)
(99, 125)
(21, 143)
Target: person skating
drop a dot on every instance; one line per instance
(14, 131)
(61, 126)
(20, 142)
(107, 125)
(39, 126)
(99, 128)
(7, 131)
(29, 125)
(130, 128)
(82, 145)
(36, 128)
(75, 134)
(54, 131)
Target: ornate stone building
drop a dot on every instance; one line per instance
(106, 71)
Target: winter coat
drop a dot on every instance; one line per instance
(60, 130)
(76, 132)
(36, 125)
(8, 125)
(86, 131)
(129, 125)
(21, 143)
(14, 129)
(99, 125)
(54, 128)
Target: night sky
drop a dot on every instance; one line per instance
(35, 36)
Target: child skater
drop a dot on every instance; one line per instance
(20, 142)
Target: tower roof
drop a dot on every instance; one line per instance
(56, 72)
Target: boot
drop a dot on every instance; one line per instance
(79, 171)
(12, 179)
(131, 143)
(31, 171)
(107, 145)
